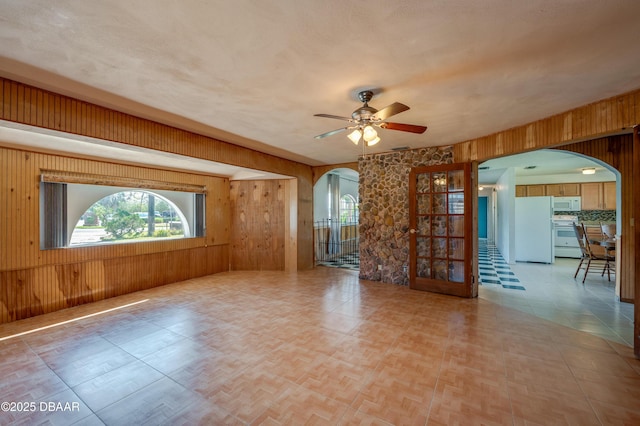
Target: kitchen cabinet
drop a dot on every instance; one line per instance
(609, 195)
(598, 196)
(591, 196)
(555, 190)
(563, 189)
(536, 190)
(595, 195)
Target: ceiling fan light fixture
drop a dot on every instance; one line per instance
(374, 141)
(369, 133)
(363, 120)
(355, 136)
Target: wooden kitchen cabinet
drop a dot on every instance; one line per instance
(595, 195)
(563, 189)
(598, 196)
(591, 196)
(554, 190)
(536, 190)
(530, 190)
(609, 195)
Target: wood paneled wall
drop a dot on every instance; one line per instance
(636, 236)
(29, 105)
(34, 281)
(604, 118)
(20, 209)
(617, 151)
(587, 130)
(258, 225)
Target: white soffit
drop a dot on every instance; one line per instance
(22, 136)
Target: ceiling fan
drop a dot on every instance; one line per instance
(365, 118)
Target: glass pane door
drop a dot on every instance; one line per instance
(440, 229)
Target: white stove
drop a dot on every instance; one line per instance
(564, 219)
(565, 240)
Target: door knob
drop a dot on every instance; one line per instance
(412, 231)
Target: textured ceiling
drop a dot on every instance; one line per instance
(255, 72)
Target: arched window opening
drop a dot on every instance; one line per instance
(348, 209)
(133, 215)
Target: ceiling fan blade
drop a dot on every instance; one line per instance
(337, 117)
(333, 132)
(403, 127)
(389, 110)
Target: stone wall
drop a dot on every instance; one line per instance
(384, 211)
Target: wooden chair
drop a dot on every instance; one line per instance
(590, 259)
(608, 230)
(609, 233)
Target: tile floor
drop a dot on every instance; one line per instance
(550, 292)
(347, 261)
(316, 347)
(493, 269)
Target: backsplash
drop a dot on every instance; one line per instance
(592, 215)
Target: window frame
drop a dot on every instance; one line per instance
(55, 220)
(353, 209)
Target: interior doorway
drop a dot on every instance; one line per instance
(336, 217)
(482, 216)
(548, 290)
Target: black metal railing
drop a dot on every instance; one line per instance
(337, 243)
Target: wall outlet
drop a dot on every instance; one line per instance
(379, 267)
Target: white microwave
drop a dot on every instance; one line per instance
(567, 204)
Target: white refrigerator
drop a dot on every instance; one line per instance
(534, 229)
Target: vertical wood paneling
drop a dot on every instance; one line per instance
(61, 113)
(18, 294)
(35, 281)
(617, 151)
(290, 188)
(258, 225)
(19, 191)
(595, 120)
(635, 208)
(72, 282)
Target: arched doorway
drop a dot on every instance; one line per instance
(549, 290)
(336, 214)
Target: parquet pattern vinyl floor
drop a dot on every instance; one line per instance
(316, 347)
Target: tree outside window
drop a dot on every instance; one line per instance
(128, 215)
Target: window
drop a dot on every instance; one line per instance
(73, 215)
(348, 209)
(127, 216)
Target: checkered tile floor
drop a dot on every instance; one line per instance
(348, 261)
(494, 270)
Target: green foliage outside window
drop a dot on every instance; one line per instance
(124, 215)
(124, 225)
